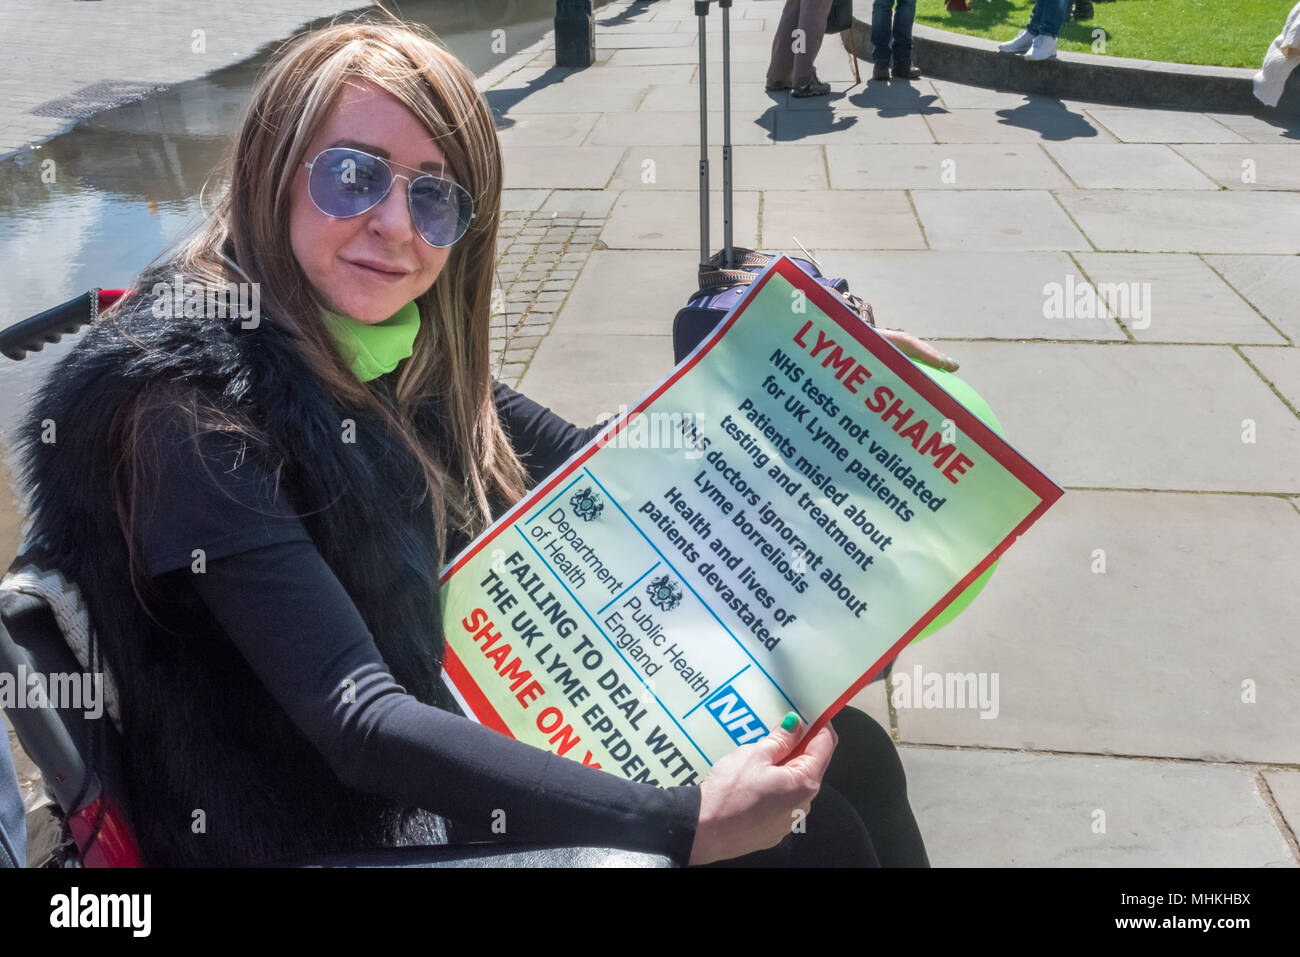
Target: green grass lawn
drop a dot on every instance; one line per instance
(1212, 32)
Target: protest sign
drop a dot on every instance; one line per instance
(761, 533)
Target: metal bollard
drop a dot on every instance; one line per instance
(575, 33)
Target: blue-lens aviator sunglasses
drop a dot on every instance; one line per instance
(345, 182)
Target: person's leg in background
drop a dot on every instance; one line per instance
(812, 21)
(1050, 16)
(1036, 17)
(781, 67)
(882, 37)
(866, 770)
(1038, 40)
(904, 17)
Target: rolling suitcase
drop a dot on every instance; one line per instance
(723, 276)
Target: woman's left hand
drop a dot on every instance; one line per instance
(919, 349)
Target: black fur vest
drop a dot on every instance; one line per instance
(199, 730)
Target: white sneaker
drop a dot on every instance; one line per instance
(1020, 44)
(1044, 48)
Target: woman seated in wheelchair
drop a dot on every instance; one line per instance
(256, 504)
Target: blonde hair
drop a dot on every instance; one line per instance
(475, 468)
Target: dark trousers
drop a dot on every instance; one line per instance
(891, 30)
(861, 816)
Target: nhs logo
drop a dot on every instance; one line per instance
(735, 716)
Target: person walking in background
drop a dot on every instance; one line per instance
(1038, 40)
(797, 39)
(893, 40)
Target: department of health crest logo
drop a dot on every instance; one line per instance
(664, 593)
(586, 504)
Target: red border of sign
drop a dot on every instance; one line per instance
(1047, 491)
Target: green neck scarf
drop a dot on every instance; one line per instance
(373, 349)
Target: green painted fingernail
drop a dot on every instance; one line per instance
(790, 722)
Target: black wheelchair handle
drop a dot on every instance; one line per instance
(31, 335)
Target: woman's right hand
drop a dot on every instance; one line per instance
(748, 802)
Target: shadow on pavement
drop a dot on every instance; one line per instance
(891, 98)
(503, 99)
(1051, 119)
(784, 125)
(626, 16)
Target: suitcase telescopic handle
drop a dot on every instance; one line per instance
(702, 11)
(728, 249)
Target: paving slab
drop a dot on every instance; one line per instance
(945, 166)
(1281, 367)
(1026, 124)
(840, 219)
(753, 167)
(637, 39)
(529, 199)
(1127, 166)
(659, 57)
(610, 23)
(993, 809)
(1148, 654)
(738, 25)
(941, 294)
(1135, 416)
(1253, 166)
(588, 79)
(667, 128)
(846, 127)
(963, 96)
(747, 99)
(1271, 283)
(545, 56)
(595, 203)
(1185, 221)
(744, 58)
(627, 292)
(978, 220)
(1259, 130)
(563, 98)
(604, 385)
(1163, 297)
(769, 9)
(667, 219)
(545, 129)
(1163, 126)
(1285, 786)
(553, 167)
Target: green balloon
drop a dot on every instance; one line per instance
(968, 397)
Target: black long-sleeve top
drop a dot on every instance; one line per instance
(276, 599)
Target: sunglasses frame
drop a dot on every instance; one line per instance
(393, 177)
